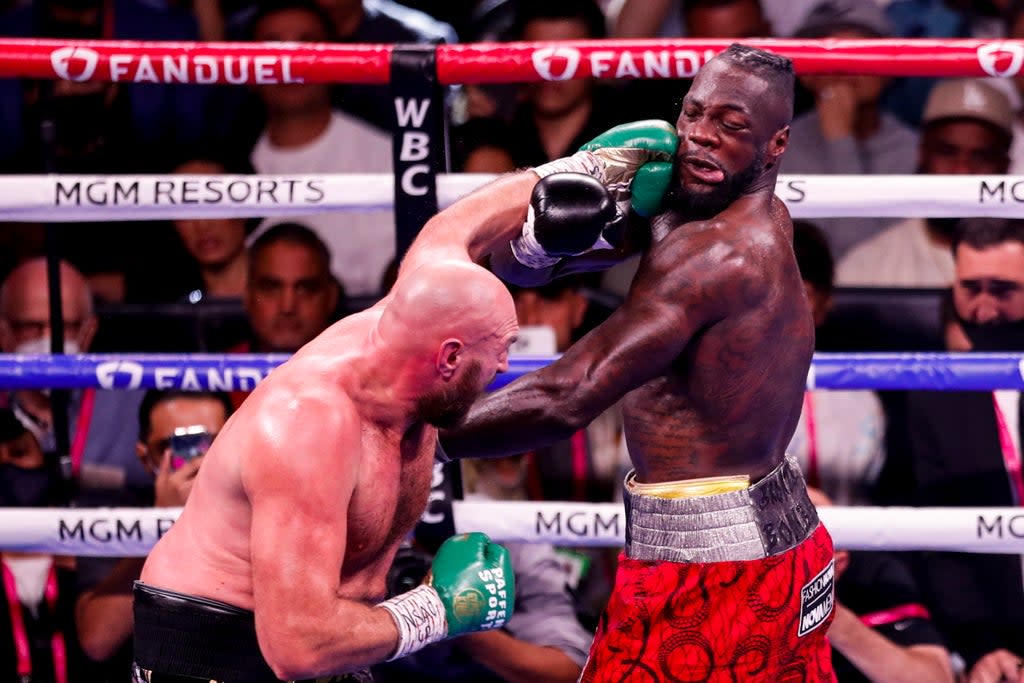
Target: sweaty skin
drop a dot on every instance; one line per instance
(309, 488)
(711, 349)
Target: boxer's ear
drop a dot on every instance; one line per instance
(449, 355)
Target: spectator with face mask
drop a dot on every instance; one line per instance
(38, 643)
(102, 448)
(960, 448)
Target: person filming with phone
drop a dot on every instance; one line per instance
(175, 430)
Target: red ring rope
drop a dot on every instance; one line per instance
(256, 63)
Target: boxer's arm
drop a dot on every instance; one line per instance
(689, 282)
(476, 225)
(299, 481)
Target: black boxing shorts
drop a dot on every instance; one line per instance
(182, 638)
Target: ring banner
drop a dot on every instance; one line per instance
(80, 198)
(242, 372)
(131, 532)
(518, 62)
(418, 140)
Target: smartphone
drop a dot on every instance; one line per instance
(188, 443)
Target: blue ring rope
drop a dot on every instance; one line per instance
(231, 372)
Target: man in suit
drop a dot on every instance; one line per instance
(961, 448)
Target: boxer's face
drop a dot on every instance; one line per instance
(728, 132)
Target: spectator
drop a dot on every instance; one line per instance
(101, 443)
(379, 21)
(977, 600)
(304, 135)
(482, 146)
(881, 632)
(556, 117)
(839, 439)
(847, 131)
(216, 244)
(967, 130)
(154, 115)
(38, 596)
(103, 611)
(542, 641)
(360, 21)
(290, 294)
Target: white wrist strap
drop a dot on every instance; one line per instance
(419, 615)
(580, 162)
(528, 250)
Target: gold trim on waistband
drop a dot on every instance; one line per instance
(689, 488)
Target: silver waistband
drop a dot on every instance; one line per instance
(768, 518)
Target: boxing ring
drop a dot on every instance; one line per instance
(417, 189)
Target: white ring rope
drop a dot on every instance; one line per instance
(124, 532)
(77, 198)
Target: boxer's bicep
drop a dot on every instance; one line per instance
(299, 482)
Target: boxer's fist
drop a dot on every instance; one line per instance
(569, 214)
(634, 161)
(637, 159)
(470, 588)
(474, 579)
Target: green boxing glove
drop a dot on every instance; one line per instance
(470, 588)
(634, 161)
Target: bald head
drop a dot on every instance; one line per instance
(450, 299)
(25, 305)
(445, 334)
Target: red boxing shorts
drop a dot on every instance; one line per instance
(723, 588)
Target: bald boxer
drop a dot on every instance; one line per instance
(726, 573)
(276, 566)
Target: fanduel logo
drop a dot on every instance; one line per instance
(991, 54)
(112, 374)
(74, 63)
(544, 60)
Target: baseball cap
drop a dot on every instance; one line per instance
(969, 99)
(831, 16)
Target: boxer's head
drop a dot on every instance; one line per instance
(451, 325)
(733, 128)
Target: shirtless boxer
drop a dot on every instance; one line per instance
(726, 573)
(273, 568)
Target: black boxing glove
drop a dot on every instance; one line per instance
(569, 214)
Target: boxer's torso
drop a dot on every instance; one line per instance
(730, 402)
(207, 552)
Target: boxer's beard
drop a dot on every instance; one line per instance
(711, 200)
(446, 407)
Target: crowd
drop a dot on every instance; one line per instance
(272, 284)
